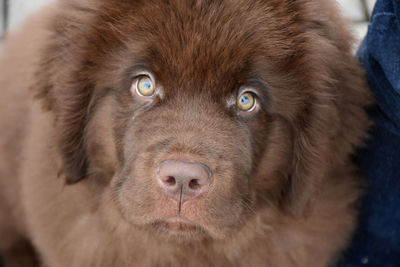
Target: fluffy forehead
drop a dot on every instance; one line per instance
(200, 42)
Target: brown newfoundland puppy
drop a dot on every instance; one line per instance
(180, 133)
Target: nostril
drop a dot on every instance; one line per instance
(194, 184)
(171, 181)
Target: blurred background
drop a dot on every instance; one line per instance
(13, 13)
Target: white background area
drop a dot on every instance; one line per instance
(20, 9)
(353, 10)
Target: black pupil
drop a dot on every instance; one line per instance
(245, 100)
(147, 85)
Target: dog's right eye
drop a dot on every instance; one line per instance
(145, 86)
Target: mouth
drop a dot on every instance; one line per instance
(178, 226)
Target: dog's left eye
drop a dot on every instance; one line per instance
(246, 101)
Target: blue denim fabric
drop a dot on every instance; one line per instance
(377, 241)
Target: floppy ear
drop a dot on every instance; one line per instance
(70, 126)
(332, 121)
(69, 101)
(328, 133)
(65, 90)
(311, 156)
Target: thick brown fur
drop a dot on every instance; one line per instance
(78, 151)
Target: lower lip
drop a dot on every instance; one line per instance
(179, 224)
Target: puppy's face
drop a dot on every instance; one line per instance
(193, 110)
(196, 118)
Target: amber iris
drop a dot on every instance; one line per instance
(246, 101)
(145, 86)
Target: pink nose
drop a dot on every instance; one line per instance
(182, 180)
